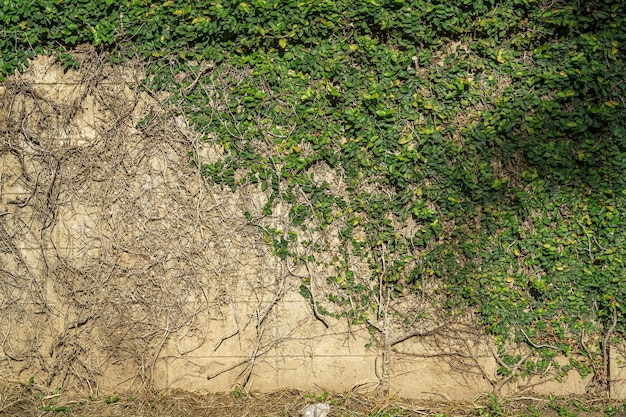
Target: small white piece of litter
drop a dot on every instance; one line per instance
(316, 410)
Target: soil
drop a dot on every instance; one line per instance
(25, 400)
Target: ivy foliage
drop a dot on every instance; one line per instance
(481, 145)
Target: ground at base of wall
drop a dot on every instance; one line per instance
(26, 399)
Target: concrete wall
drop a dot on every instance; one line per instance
(121, 268)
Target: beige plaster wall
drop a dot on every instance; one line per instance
(121, 268)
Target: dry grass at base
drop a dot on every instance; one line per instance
(25, 400)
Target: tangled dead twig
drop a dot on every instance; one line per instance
(112, 245)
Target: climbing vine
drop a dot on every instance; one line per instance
(476, 148)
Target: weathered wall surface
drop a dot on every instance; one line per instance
(121, 268)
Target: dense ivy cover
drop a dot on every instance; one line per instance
(496, 128)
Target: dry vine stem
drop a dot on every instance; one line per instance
(115, 256)
(121, 267)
